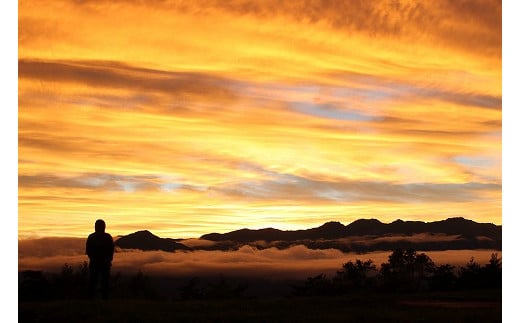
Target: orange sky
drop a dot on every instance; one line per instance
(189, 117)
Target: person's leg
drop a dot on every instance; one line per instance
(93, 280)
(105, 281)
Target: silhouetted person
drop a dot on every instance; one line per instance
(100, 251)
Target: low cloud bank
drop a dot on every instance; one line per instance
(49, 247)
(356, 242)
(296, 262)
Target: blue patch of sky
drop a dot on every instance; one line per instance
(127, 186)
(362, 94)
(93, 181)
(381, 90)
(341, 110)
(467, 99)
(332, 194)
(125, 183)
(169, 187)
(474, 161)
(329, 111)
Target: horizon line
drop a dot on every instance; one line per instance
(263, 228)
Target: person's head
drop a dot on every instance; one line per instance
(100, 226)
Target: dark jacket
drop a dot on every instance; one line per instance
(100, 248)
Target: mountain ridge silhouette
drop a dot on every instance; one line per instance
(366, 235)
(364, 227)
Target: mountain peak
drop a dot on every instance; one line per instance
(142, 233)
(332, 225)
(365, 227)
(145, 240)
(329, 230)
(458, 219)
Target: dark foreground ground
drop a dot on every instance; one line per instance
(474, 306)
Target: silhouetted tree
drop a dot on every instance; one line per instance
(355, 276)
(474, 276)
(469, 275)
(318, 285)
(492, 272)
(406, 270)
(443, 277)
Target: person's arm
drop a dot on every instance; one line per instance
(87, 247)
(112, 252)
(111, 248)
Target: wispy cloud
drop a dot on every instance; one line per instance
(290, 187)
(193, 115)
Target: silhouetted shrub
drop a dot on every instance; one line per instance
(33, 286)
(70, 283)
(224, 289)
(405, 271)
(137, 286)
(192, 290)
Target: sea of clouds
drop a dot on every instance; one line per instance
(296, 262)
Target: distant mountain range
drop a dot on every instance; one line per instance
(363, 235)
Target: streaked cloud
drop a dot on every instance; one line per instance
(194, 117)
